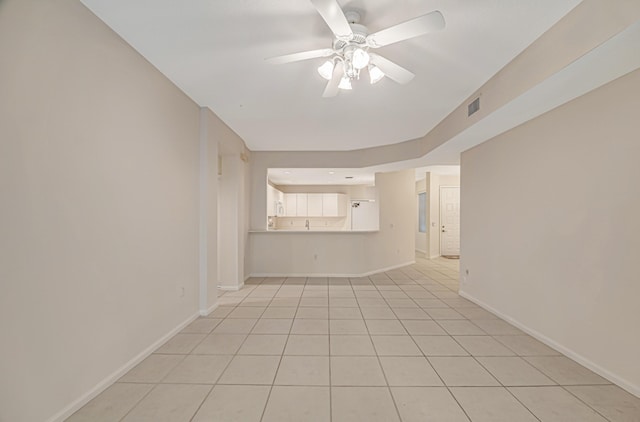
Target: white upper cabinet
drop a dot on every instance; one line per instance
(314, 204)
(301, 205)
(290, 204)
(334, 205)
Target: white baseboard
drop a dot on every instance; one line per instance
(232, 288)
(614, 378)
(354, 275)
(110, 379)
(205, 312)
(393, 267)
(434, 256)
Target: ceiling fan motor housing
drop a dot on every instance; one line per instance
(359, 39)
(352, 16)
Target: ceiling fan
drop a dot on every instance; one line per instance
(349, 53)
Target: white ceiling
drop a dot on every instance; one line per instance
(613, 59)
(214, 51)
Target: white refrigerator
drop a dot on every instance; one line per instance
(364, 215)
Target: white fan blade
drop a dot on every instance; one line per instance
(392, 70)
(305, 55)
(334, 17)
(331, 89)
(430, 22)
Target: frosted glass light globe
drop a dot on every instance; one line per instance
(326, 70)
(360, 59)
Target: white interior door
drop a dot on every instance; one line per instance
(450, 220)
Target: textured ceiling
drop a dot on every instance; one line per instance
(214, 51)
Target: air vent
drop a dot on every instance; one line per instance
(473, 106)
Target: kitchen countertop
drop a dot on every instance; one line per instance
(313, 231)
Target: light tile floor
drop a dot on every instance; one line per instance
(396, 346)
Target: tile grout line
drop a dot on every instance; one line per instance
(507, 388)
(266, 403)
(205, 398)
(137, 402)
(160, 382)
(502, 386)
(439, 376)
(386, 381)
(391, 285)
(275, 375)
(564, 387)
(329, 351)
(230, 360)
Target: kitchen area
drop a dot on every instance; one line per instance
(320, 207)
(360, 221)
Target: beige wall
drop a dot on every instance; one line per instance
(354, 253)
(421, 238)
(231, 198)
(550, 228)
(229, 203)
(395, 243)
(210, 143)
(101, 213)
(234, 205)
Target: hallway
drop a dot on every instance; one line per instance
(395, 346)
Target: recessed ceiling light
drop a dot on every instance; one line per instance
(332, 172)
(287, 172)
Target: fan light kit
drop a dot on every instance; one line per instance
(350, 54)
